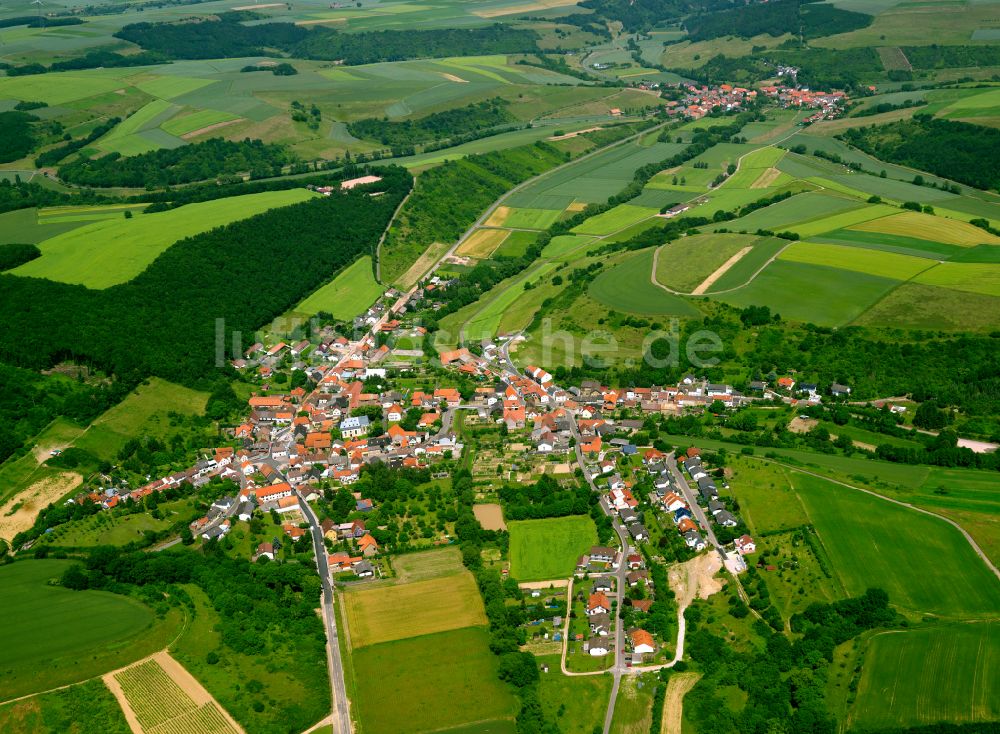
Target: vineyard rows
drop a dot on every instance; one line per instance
(153, 695)
(206, 720)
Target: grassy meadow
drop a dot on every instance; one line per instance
(548, 549)
(349, 294)
(45, 644)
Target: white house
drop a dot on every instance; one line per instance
(354, 426)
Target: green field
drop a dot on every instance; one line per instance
(981, 278)
(872, 262)
(685, 263)
(88, 708)
(923, 676)
(811, 293)
(531, 218)
(801, 208)
(926, 565)
(914, 306)
(577, 703)
(109, 252)
(146, 411)
(548, 549)
(45, 642)
(613, 220)
(429, 683)
(346, 296)
(628, 287)
(196, 121)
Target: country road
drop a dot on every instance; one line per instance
(338, 688)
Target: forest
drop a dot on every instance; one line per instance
(228, 37)
(13, 255)
(211, 159)
(952, 57)
(54, 155)
(458, 122)
(969, 154)
(243, 275)
(545, 498)
(810, 19)
(17, 138)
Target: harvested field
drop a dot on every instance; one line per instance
(388, 613)
(427, 565)
(453, 78)
(19, 513)
(482, 243)
(210, 128)
(490, 516)
(498, 217)
(929, 227)
(422, 265)
(677, 687)
(766, 179)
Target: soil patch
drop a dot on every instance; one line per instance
(677, 687)
(20, 511)
(490, 516)
(710, 280)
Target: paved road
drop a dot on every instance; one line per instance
(341, 712)
(692, 501)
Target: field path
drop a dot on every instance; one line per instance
(673, 702)
(975, 546)
(385, 232)
(720, 271)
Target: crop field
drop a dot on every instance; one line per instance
(841, 220)
(43, 644)
(801, 208)
(126, 138)
(923, 676)
(872, 262)
(565, 244)
(434, 682)
(384, 614)
(482, 243)
(613, 220)
(185, 124)
(484, 322)
(516, 244)
(929, 227)
(983, 278)
(628, 287)
(146, 411)
(926, 566)
(531, 218)
(898, 243)
(685, 263)
(548, 549)
(109, 252)
(593, 179)
(56, 89)
(346, 296)
(813, 293)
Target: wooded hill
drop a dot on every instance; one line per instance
(163, 322)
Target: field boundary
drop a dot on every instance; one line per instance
(720, 271)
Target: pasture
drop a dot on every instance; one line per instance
(685, 263)
(923, 676)
(347, 295)
(384, 614)
(582, 699)
(628, 287)
(613, 220)
(548, 549)
(145, 412)
(427, 565)
(44, 644)
(113, 251)
(434, 682)
(88, 707)
(926, 566)
(916, 306)
(739, 274)
(798, 209)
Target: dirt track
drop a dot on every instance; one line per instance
(673, 702)
(720, 271)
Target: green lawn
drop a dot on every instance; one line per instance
(923, 676)
(54, 636)
(548, 549)
(88, 708)
(113, 251)
(925, 565)
(872, 262)
(144, 412)
(575, 703)
(346, 296)
(628, 287)
(433, 682)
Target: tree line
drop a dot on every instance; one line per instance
(226, 36)
(807, 19)
(471, 120)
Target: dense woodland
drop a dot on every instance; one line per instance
(13, 255)
(806, 19)
(163, 322)
(211, 159)
(17, 138)
(969, 154)
(228, 37)
(460, 122)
